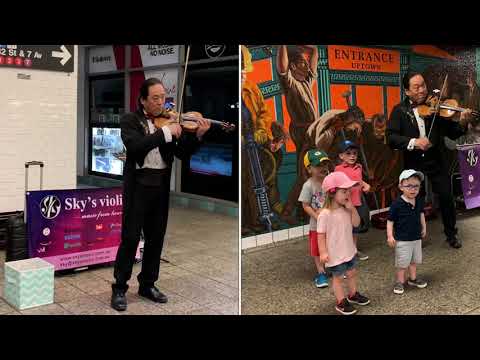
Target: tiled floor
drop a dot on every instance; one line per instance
(279, 279)
(200, 278)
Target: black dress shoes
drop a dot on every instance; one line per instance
(152, 293)
(454, 242)
(119, 300)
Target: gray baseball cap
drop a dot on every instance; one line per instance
(406, 174)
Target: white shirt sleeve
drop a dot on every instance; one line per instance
(411, 144)
(167, 133)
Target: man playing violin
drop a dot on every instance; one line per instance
(146, 188)
(423, 146)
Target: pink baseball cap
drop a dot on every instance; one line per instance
(337, 179)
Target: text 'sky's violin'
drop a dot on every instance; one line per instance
(445, 108)
(188, 121)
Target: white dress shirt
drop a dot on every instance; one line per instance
(154, 159)
(421, 129)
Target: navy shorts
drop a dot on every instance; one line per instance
(341, 269)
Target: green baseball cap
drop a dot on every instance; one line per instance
(314, 157)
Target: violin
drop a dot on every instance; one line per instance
(188, 121)
(446, 108)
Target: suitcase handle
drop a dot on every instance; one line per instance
(31, 163)
(34, 163)
(27, 165)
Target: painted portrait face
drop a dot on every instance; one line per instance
(300, 67)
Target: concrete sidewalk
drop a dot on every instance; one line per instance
(279, 279)
(201, 277)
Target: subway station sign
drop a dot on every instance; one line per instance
(363, 59)
(39, 57)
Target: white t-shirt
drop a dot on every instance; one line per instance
(312, 193)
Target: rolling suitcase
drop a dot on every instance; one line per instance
(17, 242)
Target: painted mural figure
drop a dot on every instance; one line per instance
(326, 132)
(385, 164)
(408, 132)
(271, 137)
(469, 97)
(297, 72)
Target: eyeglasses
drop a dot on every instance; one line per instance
(411, 187)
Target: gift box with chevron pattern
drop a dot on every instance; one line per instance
(29, 283)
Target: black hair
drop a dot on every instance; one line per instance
(406, 78)
(145, 89)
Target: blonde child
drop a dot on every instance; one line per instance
(312, 197)
(335, 240)
(350, 166)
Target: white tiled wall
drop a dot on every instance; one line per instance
(38, 121)
(276, 236)
(280, 235)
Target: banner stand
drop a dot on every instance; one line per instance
(75, 229)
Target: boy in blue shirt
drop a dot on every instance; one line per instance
(406, 227)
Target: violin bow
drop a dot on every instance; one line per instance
(437, 106)
(183, 84)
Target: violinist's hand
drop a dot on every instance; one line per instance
(465, 115)
(423, 143)
(175, 129)
(203, 126)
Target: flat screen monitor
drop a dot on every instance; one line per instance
(108, 151)
(212, 159)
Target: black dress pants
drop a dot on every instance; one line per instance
(442, 187)
(149, 212)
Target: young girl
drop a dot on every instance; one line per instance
(335, 240)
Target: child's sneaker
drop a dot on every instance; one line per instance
(345, 308)
(321, 280)
(359, 299)
(362, 256)
(398, 288)
(417, 283)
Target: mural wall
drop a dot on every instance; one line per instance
(299, 97)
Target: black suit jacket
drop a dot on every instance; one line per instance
(139, 143)
(402, 126)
